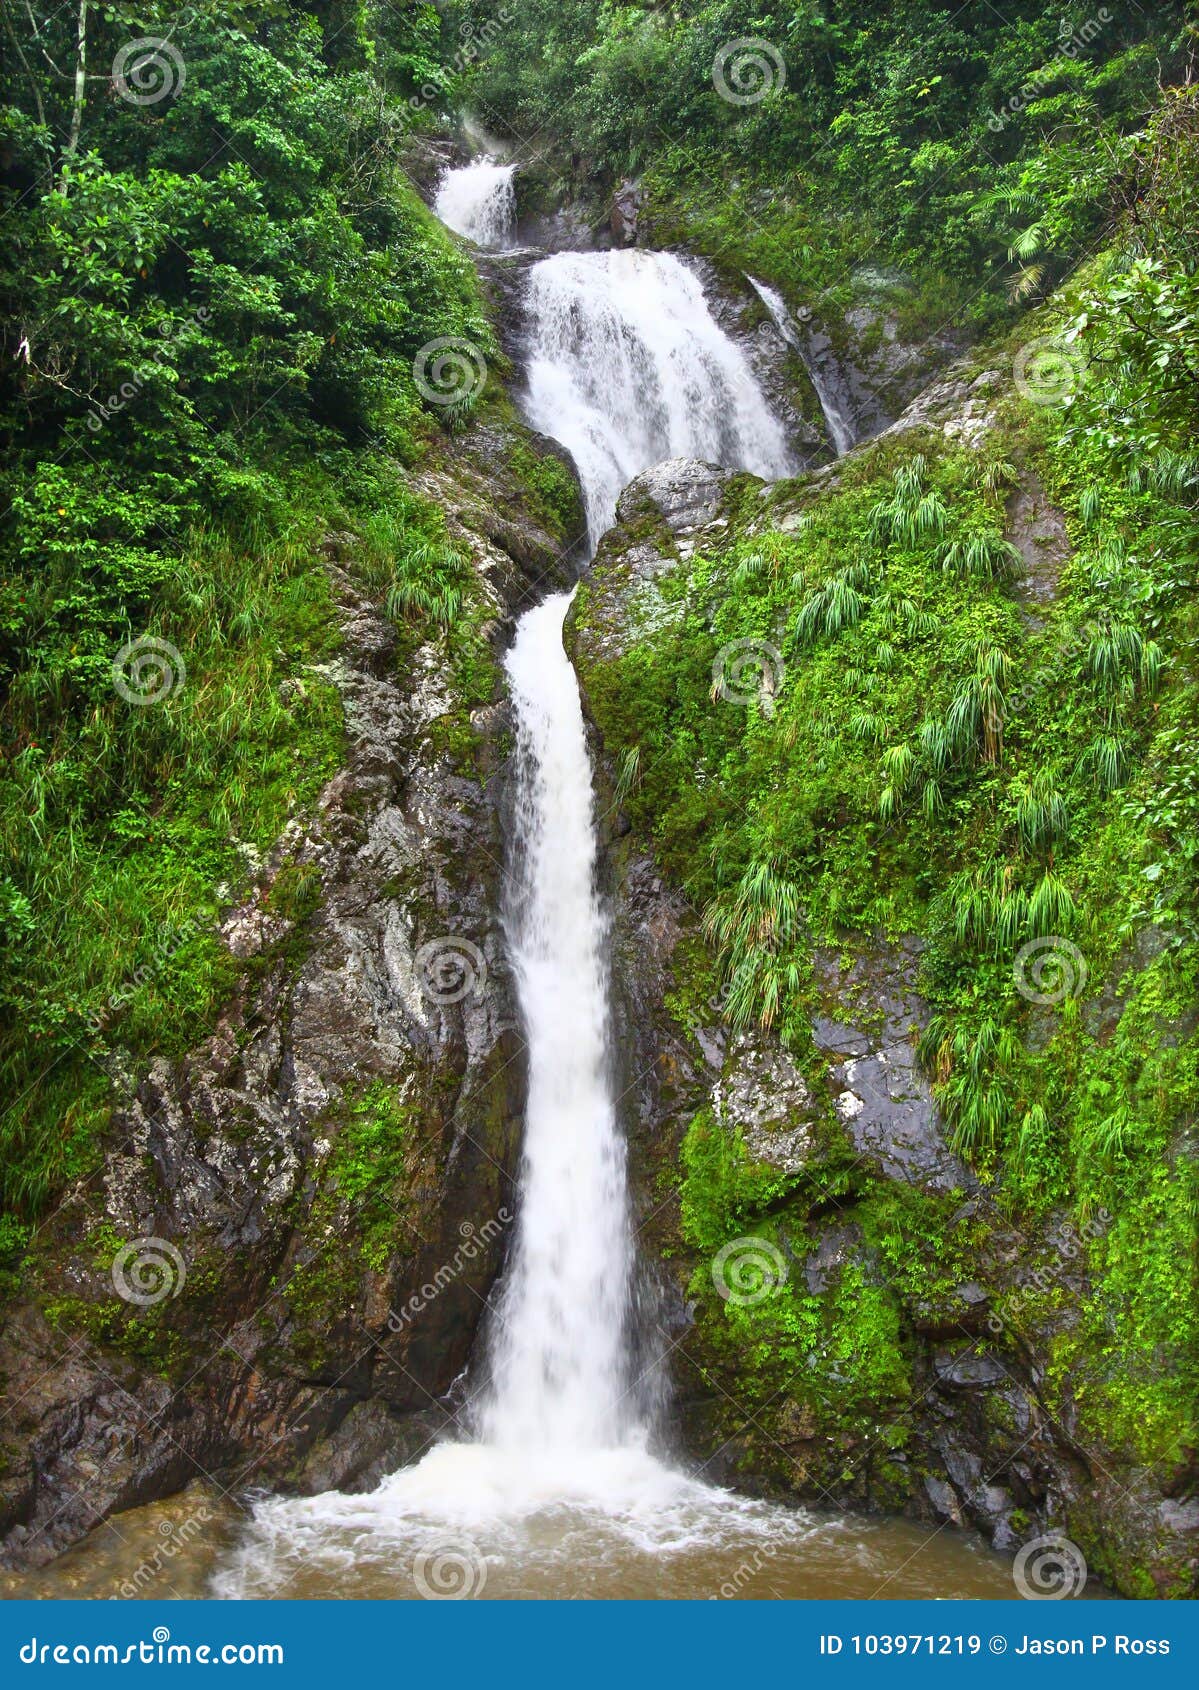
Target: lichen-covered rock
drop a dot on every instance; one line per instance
(764, 1095)
(961, 405)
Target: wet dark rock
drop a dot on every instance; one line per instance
(836, 1037)
(627, 204)
(886, 371)
(371, 1442)
(778, 361)
(838, 1244)
(967, 1370)
(887, 1107)
(883, 1098)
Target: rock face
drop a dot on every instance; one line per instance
(627, 204)
(883, 1098)
(886, 369)
(278, 1273)
(778, 363)
(969, 1428)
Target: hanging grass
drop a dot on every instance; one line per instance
(983, 557)
(1041, 815)
(753, 930)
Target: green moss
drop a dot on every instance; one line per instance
(551, 491)
(356, 1224)
(295, 892)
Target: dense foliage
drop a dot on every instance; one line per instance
(973, 146)
(933, 743)
(217, 276)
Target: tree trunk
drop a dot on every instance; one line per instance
(80, 84)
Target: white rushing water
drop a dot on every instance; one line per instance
(479, 201)
(627, 366)
(838, 415)
(553, 1487)
(559, 1355)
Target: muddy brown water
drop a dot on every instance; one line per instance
(173, 1549)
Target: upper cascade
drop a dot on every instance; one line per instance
(479, 201)
(627, 366)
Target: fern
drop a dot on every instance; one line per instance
(1108, 760)
(1051, 909)
(997, 475)
(628, 777)
(838, 603)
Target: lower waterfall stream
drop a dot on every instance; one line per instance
(557, 1485)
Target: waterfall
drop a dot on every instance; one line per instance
(479, 201)
(627, 366)
(829, 388)
(553, 1470)
(559, 1356)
